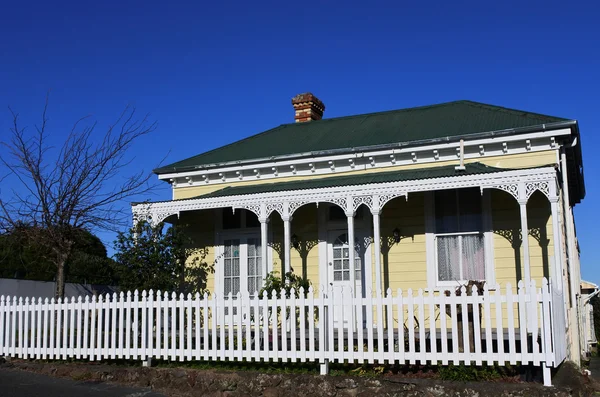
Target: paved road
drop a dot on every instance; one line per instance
(15, 383)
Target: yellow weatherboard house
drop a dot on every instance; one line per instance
(427, 198)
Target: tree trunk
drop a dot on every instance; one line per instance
(60, 278)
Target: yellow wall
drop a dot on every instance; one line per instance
(506, 161)
(404, 264)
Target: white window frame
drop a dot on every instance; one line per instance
(431, 244)
(242, 234)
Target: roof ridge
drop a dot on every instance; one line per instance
(507, 109)
(350, 116)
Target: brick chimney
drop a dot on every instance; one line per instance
(308, 107)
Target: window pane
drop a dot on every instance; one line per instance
(227, 286)
(446, 216)
(337, 264)
(337, 276)
(473, 257)
(470, 210)
(235, 287)
(448, 258)
(346, 275)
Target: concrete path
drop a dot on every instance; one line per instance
(15, 383)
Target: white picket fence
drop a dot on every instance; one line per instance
(526, 326)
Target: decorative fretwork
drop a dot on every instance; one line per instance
(542, 186)
(254, 207)
(274, 207)
(366, 200)
(375, 195)
(341, 201)
(512, 189)
(294, 205)
(385, 198)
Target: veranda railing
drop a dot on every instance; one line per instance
(331, 325)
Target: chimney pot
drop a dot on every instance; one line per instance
(308, 107)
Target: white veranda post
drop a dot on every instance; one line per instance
(287, 220)
(377, 246)
(525, 242)
(264, 221)
(351, 250)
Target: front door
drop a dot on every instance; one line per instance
(339, 273)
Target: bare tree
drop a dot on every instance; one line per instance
(82, 185)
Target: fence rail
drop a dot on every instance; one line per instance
(497, 326)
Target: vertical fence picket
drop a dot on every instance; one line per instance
(238, 327)
(546, 321)
(151, 345)
(175, 304)
(476, 324)
(23, 329)
(311, 323)
(464, 308)
(93, 344)
(411, 327)
(126, 330)
(166, 326)
(292, 322)
(523, 322)
(265, 324)
(255, 330)
(158, 337)
(369, 311)
(195, 305)
(432, 327)
(71, 308)
(85, 345)
(487, 317)
(510, 317)
(3, 344)
(498, 300)
(360, 324)
(45, 330)
(79, 327)
(453, 301)
(422, 340)
(379, 303)
(533, 320)
(205, 328)
(302, 324)
(443, 328)
(389, 299)
(99, 327)
(401, 341)
(136, 306)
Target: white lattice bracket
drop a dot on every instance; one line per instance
(385, 198)
(542, 186)
(275, 206)
(366, 200)
(294, 205)
(510, 188)
(253, 207)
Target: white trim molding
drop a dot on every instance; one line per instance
(519, 183)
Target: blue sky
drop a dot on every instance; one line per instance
(213, 72)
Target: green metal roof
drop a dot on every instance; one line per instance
(361, 179)
(446, 120)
